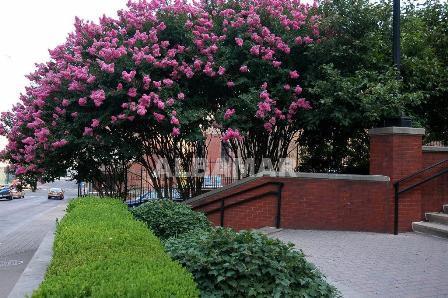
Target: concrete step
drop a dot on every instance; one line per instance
(445, 208)
(430, 228)
(436, 217)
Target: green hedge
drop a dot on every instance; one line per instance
(247, 264)
(168, 219)
(101, 251)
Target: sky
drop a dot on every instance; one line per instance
(29, 28)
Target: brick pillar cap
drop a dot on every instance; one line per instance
(396, 131)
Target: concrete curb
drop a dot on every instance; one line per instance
(34, 272)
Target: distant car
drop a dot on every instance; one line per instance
(17, 194)
(5, 192)
(56, 193)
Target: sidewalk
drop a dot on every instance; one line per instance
(363, 264)
(34, 273)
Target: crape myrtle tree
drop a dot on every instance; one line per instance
(146, 86)
(265, 41)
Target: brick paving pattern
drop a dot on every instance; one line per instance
(363, 264)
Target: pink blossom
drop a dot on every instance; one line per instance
(168, 82)
(160, 104)
(181, 96)
(65, 102)
(221, 70)
(230, 84)
(132, 92)
(98, 97)
(294, 74)
(255, 50)
(146, 79)
(286, 87)
(82, 101)
(307, 39)
(20, 170)
(157, 84)
(88, 131)
(174, 121)
(95, 123)
(91, 79)
(165, 44)
(170, 102)
(244, 69)
(108, 68)
(141, 111)
(175, 132)
(59, 144)
(158, 117)
(268, 126)
(239, 41)
(231, 134)
(229, 113)
(276, 64)
(128, 76)
(28, 141)
(298, 90)
(119, 87)
(304, 104)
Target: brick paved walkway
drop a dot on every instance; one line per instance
(377, 265)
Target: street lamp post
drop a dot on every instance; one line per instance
(396, 34)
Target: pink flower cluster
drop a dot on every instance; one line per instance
(98, 96)
(231, 134)
(229, 113)
(131, 72)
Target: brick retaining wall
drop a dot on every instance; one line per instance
(313, 201)
(342, 202)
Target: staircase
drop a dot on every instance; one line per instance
(436, 224)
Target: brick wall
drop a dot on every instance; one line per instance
(342, 202)
(434, 193)
(307, 203)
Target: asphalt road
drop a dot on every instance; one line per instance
(23, 225)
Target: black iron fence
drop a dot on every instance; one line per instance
(139, 190)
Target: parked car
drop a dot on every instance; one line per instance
(153, 195)
(5, 192)
(56, 193)
(212, 182)
(17, 194)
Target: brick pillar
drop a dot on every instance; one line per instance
(397, 152)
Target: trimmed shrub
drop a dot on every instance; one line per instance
(168, 219)
(101, 251)
(225, 263)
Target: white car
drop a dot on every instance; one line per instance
(56, 193)
(17, 194)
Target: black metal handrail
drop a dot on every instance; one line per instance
(422, 171)
(398, 192)
(223, 206)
